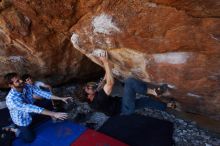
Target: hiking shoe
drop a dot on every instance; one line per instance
(174, 105)
(161, 89)
(171, 105)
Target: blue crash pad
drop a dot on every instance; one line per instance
(54, 134)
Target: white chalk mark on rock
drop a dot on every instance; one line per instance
(75, 40)
(16, 59)
(116, 72)
(104, 24)
(194, 95)
(172, 58)
(212, 36)
(153, 5)
(171, 86)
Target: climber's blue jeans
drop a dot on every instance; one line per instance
(129, 101)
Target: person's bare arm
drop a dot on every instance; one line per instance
(95, 59)
(104, 77)
(101, 83)
(57, 115)
(64, 99)
(108, 75)
(37, 97)
(47, 86)
(47, 95)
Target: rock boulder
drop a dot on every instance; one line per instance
(174, 41)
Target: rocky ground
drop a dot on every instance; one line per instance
(186, 133)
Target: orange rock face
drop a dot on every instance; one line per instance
(173, 41)
(35, 38)
(162, 41)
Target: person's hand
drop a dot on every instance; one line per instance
(104, 58)
(50, 88)
(65, 99)
(60, 116)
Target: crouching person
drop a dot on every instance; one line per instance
(36, 100)
(21, 108)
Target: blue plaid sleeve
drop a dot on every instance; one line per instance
(20, 105)
(42, 93)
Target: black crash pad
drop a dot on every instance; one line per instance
(138, 130)
(5, 118)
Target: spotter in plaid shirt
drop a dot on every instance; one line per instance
(21, 106)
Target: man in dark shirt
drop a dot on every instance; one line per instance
(102, 101)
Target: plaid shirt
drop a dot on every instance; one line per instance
(20, 104)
